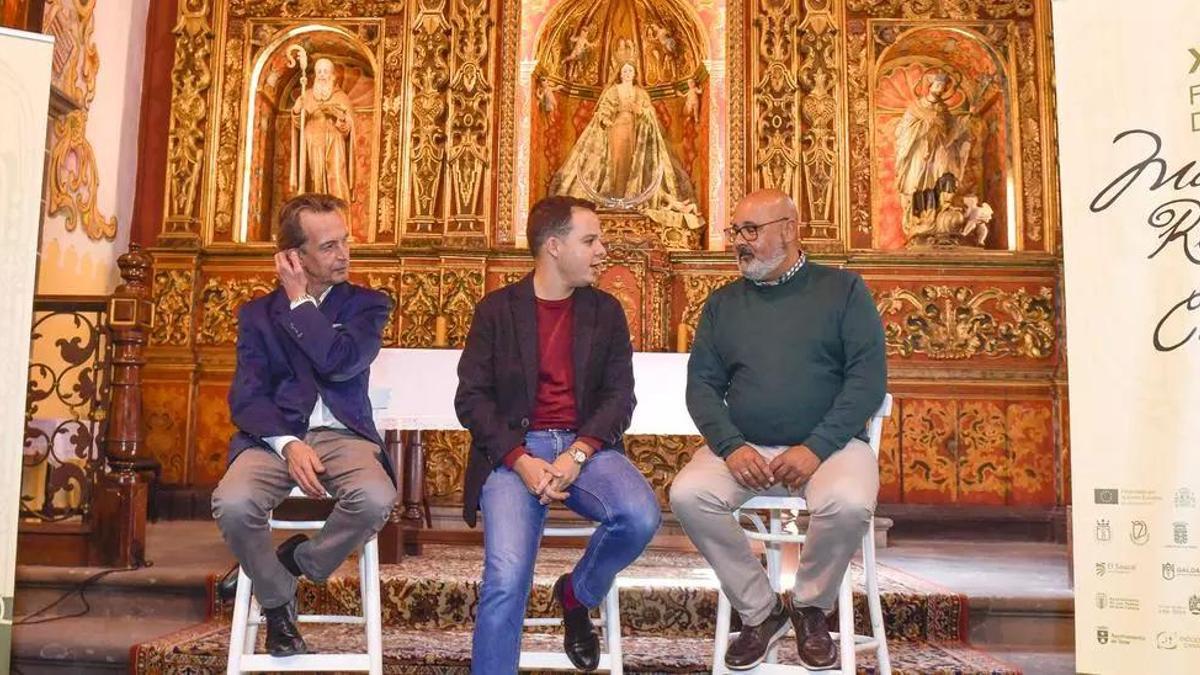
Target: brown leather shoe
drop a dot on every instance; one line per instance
(814, 644)
(751, 645)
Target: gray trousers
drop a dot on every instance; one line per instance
(258, 481)
(841, 497)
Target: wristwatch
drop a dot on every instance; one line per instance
(578, 455)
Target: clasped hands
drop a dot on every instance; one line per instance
(792, 467)
(549, 481)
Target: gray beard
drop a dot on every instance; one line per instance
(758, 269)
(323, 89)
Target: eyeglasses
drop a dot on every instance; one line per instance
(749, 231)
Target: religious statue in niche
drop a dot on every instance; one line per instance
(933, 146)
(323, 119)
(622, 160)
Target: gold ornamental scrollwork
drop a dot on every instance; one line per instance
(957, 322)
(776, 96)
(696, 289)
(386, 285)
(172, 307)
(191, 77)
(470, 117)
(74, 176)
(220, 300)
(445, 465)
(461, 290)
(942, 9)
(858, 76)
(230, 121)
(1031, 134)
(428, 82)
(819, 60)
(313, 8)
(418, 307)
(660, 459)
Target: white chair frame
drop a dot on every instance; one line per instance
(247, 617)
(610, 624)
(772, 535)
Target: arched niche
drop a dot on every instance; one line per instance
(577, 53)
(342, 130)
(968, 130)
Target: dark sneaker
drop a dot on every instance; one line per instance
(751, 645)
(814, 644)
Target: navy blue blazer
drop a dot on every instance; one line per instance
(286, 357)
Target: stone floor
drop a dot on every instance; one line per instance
(1021, 603)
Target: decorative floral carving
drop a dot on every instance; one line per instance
(461, 291)
(507, 134)
(696, 289)
(776, 96)
(470, 117)
(418, 307)
(191, 77)
(445, 465)
(858, 78)
(819, 108)
(220, 300)
(428, 83)
(387, 286)
(957, 322)
(735, 72)
(942, 9)
(172, 307)
(314, 8)
(660, 459)
(74, 177)
(1031, 134)
(230, 121)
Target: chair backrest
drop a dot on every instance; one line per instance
(875, 426)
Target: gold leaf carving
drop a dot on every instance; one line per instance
(74, 177)
(191, 77)
(696, 289)
(387, 286)
(948, 322)
(461, 291)
(776, 97)
(172, 307)
(428, 82)
(660, 459)
(942, 9)
(1031, 134)
(819, 108)
(419, 307)
(470, 116)
(220, 300)
(445, 465)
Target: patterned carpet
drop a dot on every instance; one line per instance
(668, 602)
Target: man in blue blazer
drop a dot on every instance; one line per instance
(299, 401)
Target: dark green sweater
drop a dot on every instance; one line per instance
(798, 363)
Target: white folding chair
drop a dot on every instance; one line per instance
(247, 617)
(772, 535)
(610, 624)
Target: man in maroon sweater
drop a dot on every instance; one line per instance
(546, 390)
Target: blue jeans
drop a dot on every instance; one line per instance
(609, 491)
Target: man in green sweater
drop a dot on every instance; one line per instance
(786, 370)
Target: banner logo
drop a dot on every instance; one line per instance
(1139, 532)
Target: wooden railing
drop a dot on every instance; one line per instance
(85, 480)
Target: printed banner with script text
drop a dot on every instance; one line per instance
(1128, 92)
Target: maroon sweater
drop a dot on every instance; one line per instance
(554, 405)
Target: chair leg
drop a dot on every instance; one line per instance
(721, 641)
(238, 629)
(874, 605)
(846, 625)
(774, 554)
(369, 580)
(612, 630)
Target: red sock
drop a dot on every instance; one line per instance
(569, 600)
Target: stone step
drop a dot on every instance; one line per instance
(84, 645)
(144, 593)
(1034, 623)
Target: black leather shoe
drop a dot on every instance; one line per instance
(814, 644)
(580, 641)
(287, 553)
(283, 638)
(227, 584)
(751, 645)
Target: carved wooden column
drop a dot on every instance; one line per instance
(122, 496)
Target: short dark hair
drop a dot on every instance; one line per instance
(291, 233)
(551, 217)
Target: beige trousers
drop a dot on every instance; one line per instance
(841, 499)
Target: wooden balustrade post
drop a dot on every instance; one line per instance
(122, 496)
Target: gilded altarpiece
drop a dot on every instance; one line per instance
(829, 100)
